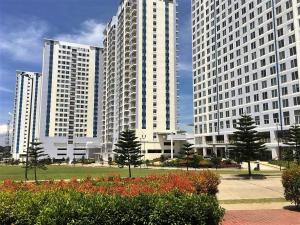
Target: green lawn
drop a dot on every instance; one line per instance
(67, 172)
(250, 201)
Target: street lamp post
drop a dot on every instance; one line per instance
(29, 126)
(143, 137)
(278, 146)
(172, 154)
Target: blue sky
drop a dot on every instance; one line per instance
(24, 24)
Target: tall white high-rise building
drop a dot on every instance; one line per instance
(26, 112)
(246, 60)
(139, 75)
(70, 108)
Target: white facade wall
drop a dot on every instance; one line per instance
(71, 103)
(237, 46)
(26, 112)
(139, 82)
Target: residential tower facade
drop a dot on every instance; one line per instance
(26, 112)
(139, 75)
(71, 103)
(246, 60)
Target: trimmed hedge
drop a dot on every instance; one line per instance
(291, 184)
(70, 207)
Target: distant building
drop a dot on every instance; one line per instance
(246, 60)
(26, 112)
(139, 75)
(71, 99)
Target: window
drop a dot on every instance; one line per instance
(266, 119)
(273, 81)
(274, 93)
(275, 104)
(295, 88)
(295, 75)
(297, 116)
(265, 95)
(286, 118)
(297, 100)
(275, 118)
(285, 103)
(257, 120)
(284, 91)
(283, 79)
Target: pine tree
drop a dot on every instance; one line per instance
(294, 142)
(247, 144)
(216, 160)
(36, 156)
(128, 150)
(187, 153)
(288, 155)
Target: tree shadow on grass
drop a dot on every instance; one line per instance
(252, 177)
(292, 208)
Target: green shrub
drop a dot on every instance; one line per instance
(69, 207)
(206, 163)
(282, 163)
(291, 184)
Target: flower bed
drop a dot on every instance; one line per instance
(175, 198)
(205, 182)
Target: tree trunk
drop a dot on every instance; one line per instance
(129, 170)
(187, 165)
(35, 175)
(249, 169)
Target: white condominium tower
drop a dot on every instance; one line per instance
(139, 75)
(71, 98)
(246, 60)
(26, 112)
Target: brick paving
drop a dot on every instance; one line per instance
(261, 217)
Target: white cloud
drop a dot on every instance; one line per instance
(90, 32)
(3, 129)
(7, 90)
(22, 39)
(187, 67)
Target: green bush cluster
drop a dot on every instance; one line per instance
(69, 207)
(291, 184)
(282, 163)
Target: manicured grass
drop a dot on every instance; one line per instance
(249, 201)
(78, 171)
(67, 172)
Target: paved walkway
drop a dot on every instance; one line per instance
(256, 206)
(234, 188)
(262, 217)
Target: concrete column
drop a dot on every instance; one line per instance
(275, 153)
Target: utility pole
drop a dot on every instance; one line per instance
(278, 146)
(172, 154)
(143, 138)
